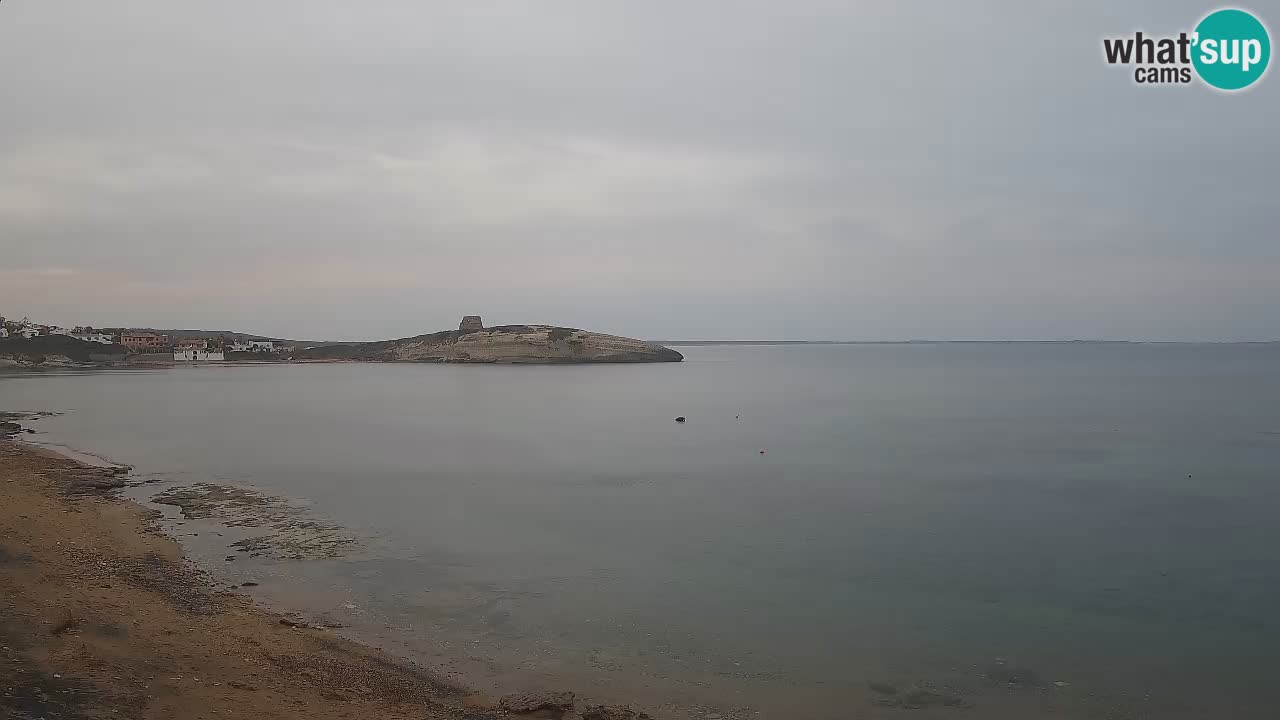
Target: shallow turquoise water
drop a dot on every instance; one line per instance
(1104, 514)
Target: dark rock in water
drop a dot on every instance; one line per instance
(526, 702)
(919, 698)
(613, 712)
(883, 688)
(9, 428)
(680, 419)
(229, 558)
(296, 621)
(1002, 672)
(249, 584)
(104, 483)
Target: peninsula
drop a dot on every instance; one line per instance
(472, 342)
(24, 343)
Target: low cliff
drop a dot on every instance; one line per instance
(57, 350)
(502, 344)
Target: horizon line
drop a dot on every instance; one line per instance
(926, 341)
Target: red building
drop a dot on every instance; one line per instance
(142, 342)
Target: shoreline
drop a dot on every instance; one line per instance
(106, 616)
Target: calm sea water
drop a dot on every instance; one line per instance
(1107, 515)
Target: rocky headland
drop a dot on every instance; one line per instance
(472, 342)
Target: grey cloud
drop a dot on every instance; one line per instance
(714, 169)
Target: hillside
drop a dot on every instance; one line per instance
(502, 344)
(57, 350)
(191, 334)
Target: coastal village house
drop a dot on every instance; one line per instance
(185, 349)
(93, 337)
(144, 342)
(194, 354)
(253, 346)
(26, 330)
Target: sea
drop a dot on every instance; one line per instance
(1067, 530)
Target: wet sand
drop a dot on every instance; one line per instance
(103, 617)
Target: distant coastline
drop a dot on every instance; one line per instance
(33, 345)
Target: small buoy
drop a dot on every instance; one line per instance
(680, 419)
(762, 451)
(735, 417)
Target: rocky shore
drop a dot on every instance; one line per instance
(103, 617)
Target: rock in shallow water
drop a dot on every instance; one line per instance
(918, 698)
(1003, 672)
(104, 483)
(613, 712)
(524, 702)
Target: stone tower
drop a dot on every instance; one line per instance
(471, 323)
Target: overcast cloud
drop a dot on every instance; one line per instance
(712, 169)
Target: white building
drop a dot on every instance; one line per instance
(197, 355)
(4, 333)
(28, 332)
(94, 337)
(252, 346)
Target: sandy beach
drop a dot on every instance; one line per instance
(103, 617)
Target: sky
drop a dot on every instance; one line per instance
(722, 169)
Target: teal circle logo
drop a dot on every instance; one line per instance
(1231, 49)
